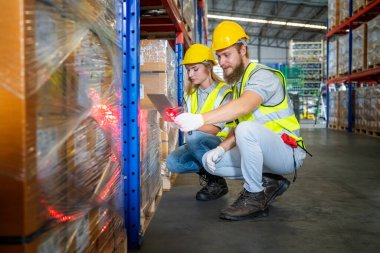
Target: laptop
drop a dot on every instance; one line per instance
(167, 111)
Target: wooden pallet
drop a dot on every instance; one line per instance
(146, 214)
(358, 9)
(367, 132)
(361, 130)
(357, 70)
(343, 128)
(373, 133)
(374, 66)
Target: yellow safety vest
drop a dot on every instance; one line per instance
(213, 101)
(279, 118)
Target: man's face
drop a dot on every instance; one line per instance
(231, 61)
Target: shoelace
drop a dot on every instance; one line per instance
(203, 180)
(240, 201)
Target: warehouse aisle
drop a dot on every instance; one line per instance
(332, 207)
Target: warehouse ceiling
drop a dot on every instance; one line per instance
(312, 12)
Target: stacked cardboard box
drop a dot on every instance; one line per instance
(158, 76)
(157, 68)
(359, 48)
(373, 51)
(334, 110)
(360, 109)
(333, 57)
(343, 109)
(373, 109)
(333, 13)
(358, 4)
(59, 84)
(343, 54)
(188, 14)
(150, 158)
(344, 10)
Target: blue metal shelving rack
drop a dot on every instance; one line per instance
(363, 15)
(179, 56)
(130, 127)
(130, 38)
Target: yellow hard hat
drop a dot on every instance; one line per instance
(226, 34)
(198, 53)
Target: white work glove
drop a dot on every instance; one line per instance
(213, 156)
(188, 121)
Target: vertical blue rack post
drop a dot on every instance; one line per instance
(195, 26)
(130, 127)
(200, 21)
(179, 57)
(327, 78)
(350, 113)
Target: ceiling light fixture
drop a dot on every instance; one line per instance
(263, 21)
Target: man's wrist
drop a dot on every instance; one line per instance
(222, 147)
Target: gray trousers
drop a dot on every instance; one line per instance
(257, 150)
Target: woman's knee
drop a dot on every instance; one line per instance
(194, 137)
(171, 163)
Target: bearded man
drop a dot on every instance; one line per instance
(266, 143)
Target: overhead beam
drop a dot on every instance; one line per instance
(255, 36)
(214, 22)
(234, 5)
(264, 16)
(289, 2)
(317, 14)
(256, 6)
(298, 10)
(263, 44)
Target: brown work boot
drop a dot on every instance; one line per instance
(248, 205)
(274, 186)
(214, 187)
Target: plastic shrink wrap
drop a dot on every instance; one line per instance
(157, 75)
(60, 79)
(334, 110)
(373, 50)
(359, 48)
(343, 54)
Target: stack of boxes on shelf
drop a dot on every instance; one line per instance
(373, 46)
(365, 41)
(60, 79)
(334, 109)
(367, 110)
(157, 138)
(359, 48)
(308, 57)
(188, 14)
(365, 56)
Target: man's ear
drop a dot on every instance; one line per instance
(243, 50)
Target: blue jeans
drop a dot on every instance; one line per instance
(188, 157)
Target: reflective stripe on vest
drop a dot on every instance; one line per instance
(279, 118)
(213, 101)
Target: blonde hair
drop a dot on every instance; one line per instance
(191, 87)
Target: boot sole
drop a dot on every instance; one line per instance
(279, 192)
(199, 198)
(258, 214)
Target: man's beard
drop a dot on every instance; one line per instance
(236, 74)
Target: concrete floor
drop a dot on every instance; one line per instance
(332, 207)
